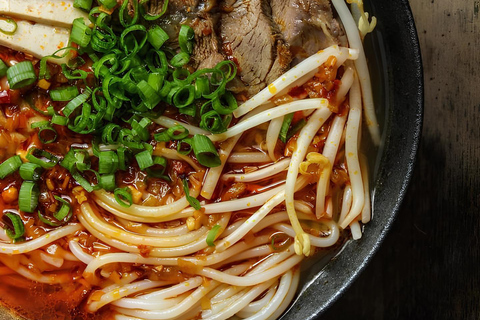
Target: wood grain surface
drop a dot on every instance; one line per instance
(429, 264)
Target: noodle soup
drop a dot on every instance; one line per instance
(142, 178)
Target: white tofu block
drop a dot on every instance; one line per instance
(39, 40)
(53, 12)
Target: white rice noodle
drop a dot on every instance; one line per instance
(169, 122)
(240, 301)
(79, 253)
(254, 307)
(51, 260)
(25, 272)
(268, 308)
(144, 211)
(241, 203)
(120, 292)
(260, 174)
(287, 296)
(234, 251)
(145, 219)
(249, 157)
(276, 198)
(351, 153)
(295, 73)
(356, 230)
(152, 301)
(183, 250)
(320, 242)
(132, 238)
(367, 209)
(302, 245)
(185, 305)
(9, 248)
(355, 42)
(272, 136)
(270, 114)
(346, 203)
(250, 280)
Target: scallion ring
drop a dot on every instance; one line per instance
(28, 196)
(9, 166)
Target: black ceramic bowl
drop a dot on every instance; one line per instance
(396, 69)
(395, 64)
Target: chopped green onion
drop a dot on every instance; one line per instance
(64, 94)
(30, 171)
(183, 132)
(76, 102)
(184, 147)
(109, 4)
(80, 34)
(184, 96)
(83, 4)
(231, 103)
(125, 17)
(148, 95)
(9, 166)
(150, 17)
(17, 224)
(121, 153)
(213, 234)
(128, 39)
(141, 128)
(205, 151)
(83, 182)
(213, 122)
(295, 128)
(123, 197)
(12, 29)
(44, 128)
(3, 68)
(107, 162)
(180, 59)
(162, 136)
(21, 75)
(107, 182)
(34, 154)
(28, 196)
(287, 120)
(144, 159)
(64, 210)
(59, 120)
(157, 37)
(191, 200)
(185, 38)
(202, 87)
(158, 168)
(47, 221)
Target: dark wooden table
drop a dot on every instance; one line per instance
(429, 265)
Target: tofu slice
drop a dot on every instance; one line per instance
(52, 12)
(39, 40)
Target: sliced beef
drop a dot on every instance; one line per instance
(207, 49)
(206, 52)
(251, 39)
(306, 25)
